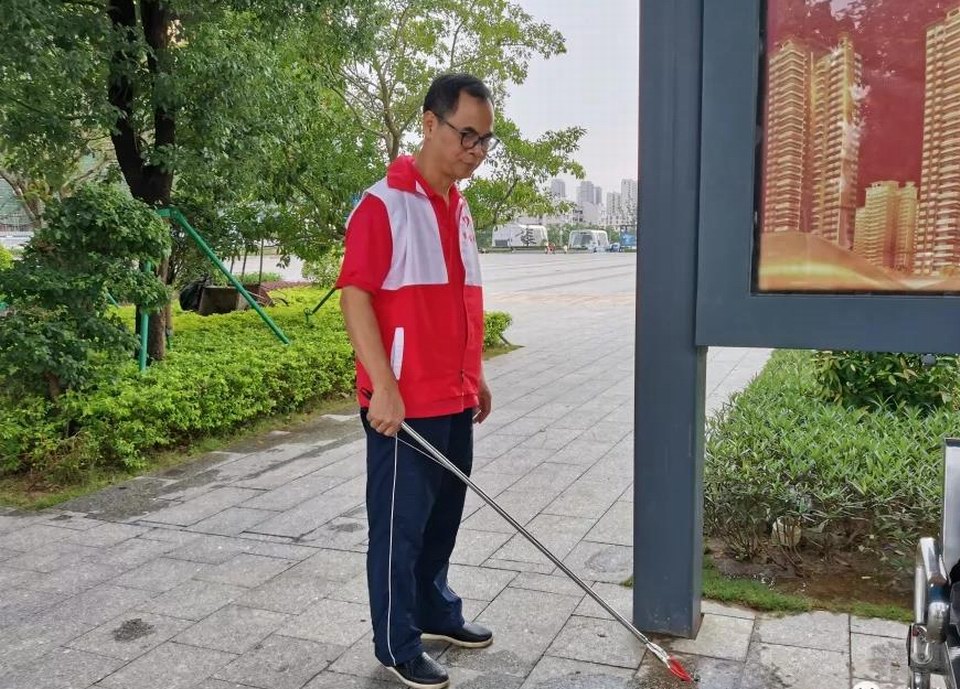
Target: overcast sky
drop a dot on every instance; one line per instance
(594, 85)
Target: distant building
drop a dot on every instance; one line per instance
(558, 189)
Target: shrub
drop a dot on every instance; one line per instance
(59, 325)
(221, 373)
(495, 324)
(868, 379)
(325, 270)
(249, 278)
(847, 477)
(6, 258)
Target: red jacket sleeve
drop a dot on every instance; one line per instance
(368, 248)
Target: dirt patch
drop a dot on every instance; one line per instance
(840, 577)
(131, 630)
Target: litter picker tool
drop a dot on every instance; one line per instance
(672, 664)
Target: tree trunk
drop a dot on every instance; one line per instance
(152, 184)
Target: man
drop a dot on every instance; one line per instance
(413, 305)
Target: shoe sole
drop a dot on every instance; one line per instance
(415, 685)
(457, 642)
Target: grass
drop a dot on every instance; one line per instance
(761, 597)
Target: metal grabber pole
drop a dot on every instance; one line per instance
(672, 664)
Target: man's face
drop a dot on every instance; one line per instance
(472, 120)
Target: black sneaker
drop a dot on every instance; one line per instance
(421, 672)
(470, 635)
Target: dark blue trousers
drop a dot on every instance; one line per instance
(414, 507)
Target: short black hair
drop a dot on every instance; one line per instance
(444, 93)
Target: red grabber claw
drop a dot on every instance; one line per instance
(678, 670)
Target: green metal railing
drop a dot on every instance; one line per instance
(178, 217)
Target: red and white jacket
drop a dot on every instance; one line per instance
(417, 256)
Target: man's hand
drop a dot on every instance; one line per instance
(486, 401)
(386, 410)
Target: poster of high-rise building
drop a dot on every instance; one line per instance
(860, 172)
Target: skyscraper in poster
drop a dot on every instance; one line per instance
(886, 224)
(938, 222)
(813, 141)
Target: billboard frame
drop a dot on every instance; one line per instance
(729, 311)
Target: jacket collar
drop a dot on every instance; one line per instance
(404, 176)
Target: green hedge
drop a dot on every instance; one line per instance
(221, 373)
(847, 477)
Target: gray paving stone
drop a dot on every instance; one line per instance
(881, 659)
(284, 474)
(597, 641)
(520, 566)
(709, 673)
(289, 593)
(34, 535)
(548, 478)
(495, 445)
(98, 604)
(726, 638)
(347, 468)
(335, 680)
(601, 562)
(246, 570)
(193, 599)
(197, 509)
(773, 666)
(62, 668)
(232, 521)
(582, 453)
(550, 583)
(619, 597)
(334, 565)
(353, 591)
(523, 622)
(478, 583)
(822, 630)
(585, 499)
(130, 635)
(73, 578)
(11, 577)
(518, 461)
(556, 673)
(280, 663)
(521, 506)
(714, 608)
(894, 630)
(558, 533)
(550, 438)
(134, 552)
(161, 574)
(288, 495)
(104, 535)
(301, 520)
(211, 549)
(473, 547)
(233, 628)
(331, 622)
(169, 666)
(616, 526)
(17, 604)
(338, 533)
(25, 643)
(51, 557)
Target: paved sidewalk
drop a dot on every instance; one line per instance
(246, 568)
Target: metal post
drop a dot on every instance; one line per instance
(670, 369)
(144, 327)
(177, 216)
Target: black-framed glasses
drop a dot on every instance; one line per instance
(469, 138)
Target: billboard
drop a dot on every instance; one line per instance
(860, 165)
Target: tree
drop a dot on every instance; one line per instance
(218, 98)
(415, 40)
